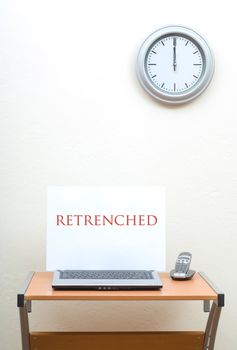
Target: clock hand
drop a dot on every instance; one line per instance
(174, 54)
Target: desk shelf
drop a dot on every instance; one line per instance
(117, 340)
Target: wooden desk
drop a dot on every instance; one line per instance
(38, 287)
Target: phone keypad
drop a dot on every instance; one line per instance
(182, 264)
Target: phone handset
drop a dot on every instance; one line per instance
(181, 271)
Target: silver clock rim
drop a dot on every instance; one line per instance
(189, 94)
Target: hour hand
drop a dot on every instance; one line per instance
(174, 54)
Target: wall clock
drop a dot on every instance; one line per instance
(175, 64)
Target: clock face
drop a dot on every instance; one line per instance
(175, 64)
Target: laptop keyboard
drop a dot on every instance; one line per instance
(106, 274)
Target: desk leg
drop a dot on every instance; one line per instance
(211, 328)
(24, 321)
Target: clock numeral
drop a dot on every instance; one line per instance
(195, 52)
(162, 43)
(186, 85)
(187, 42)
(154, 76)
(197, 64)
(195, 76)
(154, 52)
(162, 85)
(151, 64)
(174, 87)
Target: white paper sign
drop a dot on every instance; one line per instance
(106, 228)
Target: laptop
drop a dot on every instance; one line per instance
(106, 237)
(106, 280)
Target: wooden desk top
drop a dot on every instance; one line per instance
(195, 289)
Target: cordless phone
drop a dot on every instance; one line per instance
(181, 271)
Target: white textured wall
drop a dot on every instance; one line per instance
(72, 113)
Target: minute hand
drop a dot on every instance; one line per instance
(174, 54)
